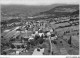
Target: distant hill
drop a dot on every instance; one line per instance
(63, 10)
(54, 10)
(24, 10)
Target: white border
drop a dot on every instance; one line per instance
(40, 56)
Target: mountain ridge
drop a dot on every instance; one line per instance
(61, 10)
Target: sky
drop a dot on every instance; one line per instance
(38, 2)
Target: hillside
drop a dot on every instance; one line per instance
(76, 12)
(23, 10)
(61, 10)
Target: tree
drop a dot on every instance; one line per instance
(12, 46)
(4, 53)
(69, 41)
(18, 47)
(22, 46)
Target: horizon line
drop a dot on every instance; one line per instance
(44, 4)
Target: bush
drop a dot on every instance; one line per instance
(54, 42)
(12, 46)
(18, 47)
(4, 53)
(22, 46)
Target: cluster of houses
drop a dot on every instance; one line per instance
(29, 34)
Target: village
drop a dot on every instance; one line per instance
(53, 36)
(39, 30)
